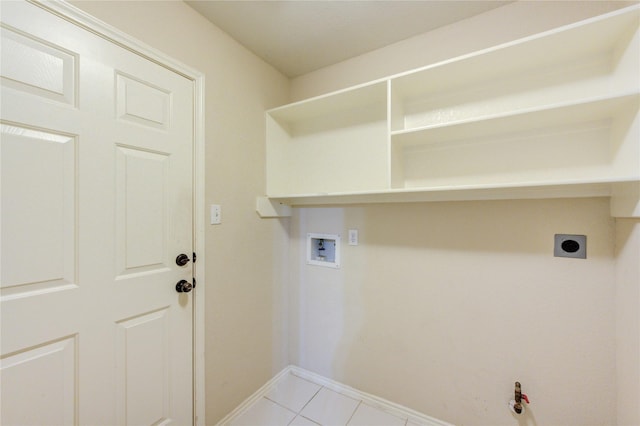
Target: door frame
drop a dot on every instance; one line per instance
(86, 21)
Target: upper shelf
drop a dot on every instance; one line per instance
(592, 37)
(341, 102)
(551, 115)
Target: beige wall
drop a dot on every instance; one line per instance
(443, 306)
(628, 320)
(245, 316)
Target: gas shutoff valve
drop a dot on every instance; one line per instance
(516, 405)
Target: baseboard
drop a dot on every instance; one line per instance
(237, 412)
(381, 403)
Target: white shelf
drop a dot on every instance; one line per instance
(595, 56)
(581, 111)
(552, 115)
(332, 104)
(531, 190)
(330, 143)
(572, 142)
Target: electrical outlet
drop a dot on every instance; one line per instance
(567, 245)
(353, 237)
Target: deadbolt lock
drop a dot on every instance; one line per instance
(182, 259)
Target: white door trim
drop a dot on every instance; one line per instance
(106, 31)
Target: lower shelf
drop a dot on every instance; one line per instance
(590, 140)
(625, 195)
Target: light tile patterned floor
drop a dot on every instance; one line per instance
(294, 401)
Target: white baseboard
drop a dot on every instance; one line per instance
(247, 403)
(381, 403)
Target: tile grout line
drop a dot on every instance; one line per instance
(354, 412)
(299, 413)
(311, 399)
(278, 404)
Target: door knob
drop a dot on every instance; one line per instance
(184, 286)
(182, 259)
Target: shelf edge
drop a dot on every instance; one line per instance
(625, 200)
(269, 208)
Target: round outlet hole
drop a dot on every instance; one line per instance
(570, 246)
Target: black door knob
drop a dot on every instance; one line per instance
(182, 259)
(184, 286)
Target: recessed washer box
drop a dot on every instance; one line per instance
(323, 250)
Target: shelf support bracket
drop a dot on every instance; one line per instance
(625, 199)
(269, 208)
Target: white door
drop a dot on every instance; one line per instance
(96, 183)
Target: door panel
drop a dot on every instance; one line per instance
(96, 186)
(38, 176)
(141, 204)
(142, 103)
(36, 66)
(142, 352)
(55, 399)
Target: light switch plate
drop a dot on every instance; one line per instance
(216, 214)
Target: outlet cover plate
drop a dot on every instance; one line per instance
(569, 245)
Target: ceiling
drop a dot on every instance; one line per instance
(298, 36)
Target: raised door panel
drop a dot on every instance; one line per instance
(39, 384)
(38, 67)
(143, 382)
(38, 172)
(142, 103)
(141, 206)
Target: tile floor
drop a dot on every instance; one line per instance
(294, 401)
